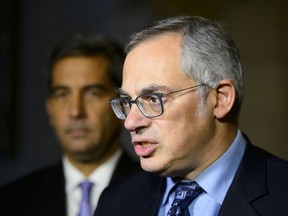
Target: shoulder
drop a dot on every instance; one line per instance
(137, 193)
(272, 163)
(134, 185)
(257, 161)
(135, 182)
(43, 176)
(262, 179)
(35, 193)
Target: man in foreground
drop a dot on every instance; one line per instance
(180, 99)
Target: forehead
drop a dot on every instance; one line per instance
(81, 70)
(155, 62)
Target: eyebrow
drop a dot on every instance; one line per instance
(96, 86)
(56, 88)
(86, 87)
(147, 90)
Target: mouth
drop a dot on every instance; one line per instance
(144, 149)
(77, 133)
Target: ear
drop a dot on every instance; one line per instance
(225, 98)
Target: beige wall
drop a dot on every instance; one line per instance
(260, 29)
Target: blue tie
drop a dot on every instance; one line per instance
(85, 206)
(185, 193)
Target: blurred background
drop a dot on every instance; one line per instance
(30, 28)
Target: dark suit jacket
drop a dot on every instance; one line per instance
(43, 192)
(260, 187)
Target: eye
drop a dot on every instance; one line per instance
(94, 92)
(151, 99)
(125, 101)
(59, 94)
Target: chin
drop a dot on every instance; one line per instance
(80, 150)
(83, 156)
(152, 166)
(79, 146)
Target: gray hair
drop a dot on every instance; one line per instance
(209, 54)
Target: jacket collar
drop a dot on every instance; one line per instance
(150, 203)
(248, 186)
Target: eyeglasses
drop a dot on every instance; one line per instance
(150, 105)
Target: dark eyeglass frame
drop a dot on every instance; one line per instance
(116, 102)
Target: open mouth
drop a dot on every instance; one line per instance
(144, 149)
(146, 144)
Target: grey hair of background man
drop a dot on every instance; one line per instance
(209, 54)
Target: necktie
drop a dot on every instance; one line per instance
(186, 192)
(85, 206)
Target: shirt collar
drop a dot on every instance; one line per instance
(73, 177)
(217, 178)
(169, 185)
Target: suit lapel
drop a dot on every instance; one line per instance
(54, 191)
(248, 185)
(150, 199)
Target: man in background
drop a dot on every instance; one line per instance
(83, 73)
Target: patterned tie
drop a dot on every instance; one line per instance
(185, 193)
(85, 206)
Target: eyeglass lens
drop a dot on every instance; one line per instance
(150, 105)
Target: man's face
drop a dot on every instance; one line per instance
(179, 141)
(78, 107)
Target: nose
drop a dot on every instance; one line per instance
(135, 120)
(76, 107)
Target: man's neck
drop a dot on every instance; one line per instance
(87, 167)
(222, 142)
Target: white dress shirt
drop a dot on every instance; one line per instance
(100, 177)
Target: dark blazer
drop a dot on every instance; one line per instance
(43, 192)
(260, 187)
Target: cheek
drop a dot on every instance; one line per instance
(103, 116)
(99, 106)
(179, 132)
(100, 112)
(178, 141)
(171, 136)
(56, 118)
(57, 113)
